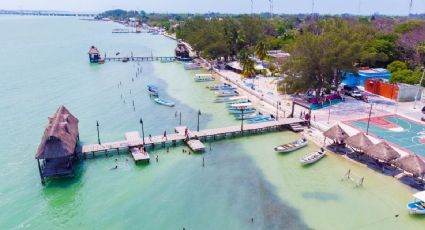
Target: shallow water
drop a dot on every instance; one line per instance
(45, 64)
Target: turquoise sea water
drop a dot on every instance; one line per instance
(45, 64)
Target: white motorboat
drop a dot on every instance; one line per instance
(417, 206)
(312, 157)
(286, 148)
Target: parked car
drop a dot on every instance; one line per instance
(348, 89)
(356, 94)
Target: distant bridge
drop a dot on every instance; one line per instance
(45, 13)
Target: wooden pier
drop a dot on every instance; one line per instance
(141, 59)
(193, 139)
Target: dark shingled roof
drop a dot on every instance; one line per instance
(60, 136)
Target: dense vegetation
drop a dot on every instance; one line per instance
(321, 47)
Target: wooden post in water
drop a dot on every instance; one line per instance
(242, 121)
(98, 137)
(41, 173)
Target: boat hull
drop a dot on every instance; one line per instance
(281, 149)
(415, 208)
(312, 158)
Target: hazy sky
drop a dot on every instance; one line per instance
(398, 7)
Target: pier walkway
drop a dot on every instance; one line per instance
(133, 141)
(141, 59)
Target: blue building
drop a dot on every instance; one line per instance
(363, 75)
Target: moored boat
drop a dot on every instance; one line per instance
(248, 116)
(221, 87)
(286, 148)
(204, 77)
(259, 119)
(417, 206)
(192, 66)
(239, 111)
(313, 157)
(153, 90)
(227, 94)
(162, 101)
(238, 104)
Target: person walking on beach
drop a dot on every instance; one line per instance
(150, 137)
(165, 135)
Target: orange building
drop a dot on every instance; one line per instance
(379, 87)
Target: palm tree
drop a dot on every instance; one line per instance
(248, 65)
(261, 50)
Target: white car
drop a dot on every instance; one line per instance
(356, 94)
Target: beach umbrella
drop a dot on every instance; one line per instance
(412, 164)
(336, 133)
(359, 141)
(382, 151)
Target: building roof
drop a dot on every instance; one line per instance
(374, 72)
(93, 50)
(60, 136)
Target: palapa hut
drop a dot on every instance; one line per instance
(336, 133)
(56, 152)
(412, 164)
(382, 151)
(182, 52)
(94, 55)
(359, 141)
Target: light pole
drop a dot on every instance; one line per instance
(199, 114)
(329, 115)
(143, 131)
(98, 137)
(277, 110)
(368, 120)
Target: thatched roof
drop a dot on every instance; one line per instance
(93, 50)
(359, 141)
(382, 151)
(60, 136)
(336, 133)
(412, 164)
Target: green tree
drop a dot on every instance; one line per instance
(396, 66)
(321, 53)
(261, 50)
(248, 65)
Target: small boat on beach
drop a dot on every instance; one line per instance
(257, 120)
(417, 206)
(153, 90)
(313, 157)
(286, 148)
(162, 101)
(204, 77)
(227, 94)
(239, 111)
